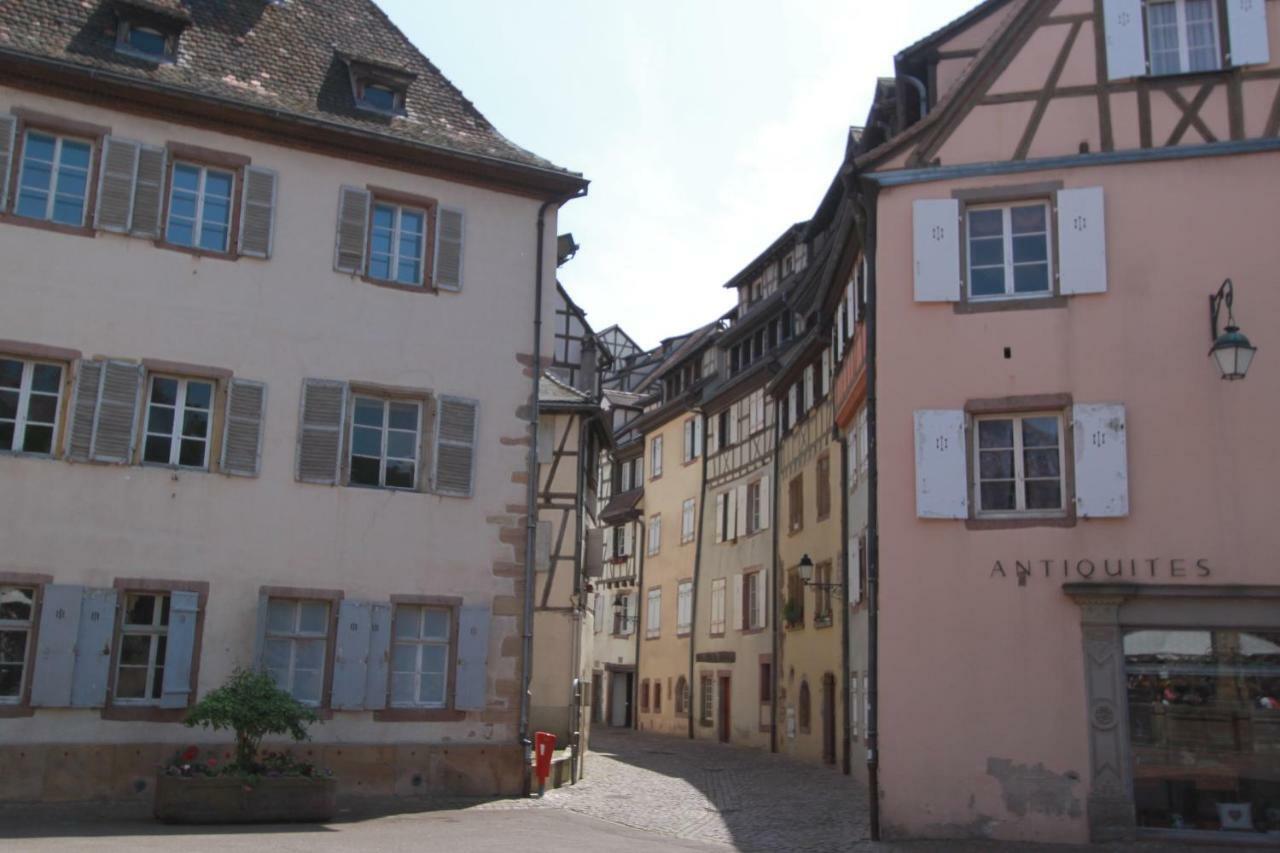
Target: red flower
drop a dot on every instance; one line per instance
(212, 762)
(190, 754)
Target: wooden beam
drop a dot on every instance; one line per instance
(1046, 95)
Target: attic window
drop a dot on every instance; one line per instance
(371, 95)
(378, 85)
(148, 42)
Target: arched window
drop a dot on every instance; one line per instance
(682, 696)
(804, 707)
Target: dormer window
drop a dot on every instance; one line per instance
(146, 40)
(147, 31)
(378, 85)
(375, 96)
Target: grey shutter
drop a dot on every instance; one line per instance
(766, 502)
(351, 655)
(542, 546)
(55, 659)
(321, 415)
(260, 631)
(258, 212)
(242, 432)
(148, 192)
(184, 613)
(740, 615)
(1126, 42)
(93, 648)
(720, 500)
(1101, 464)
(353, 230)
(455, 451)
(375, 690)
(84, 410)
(116, 179)
(449, 242)
(1247, 26)
(117, 415)
(473, 658)
(942, 489)
(8, 127)
(1082, 241)
(936, 240)
(594, 561)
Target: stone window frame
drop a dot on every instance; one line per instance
(42, 354)
(41, 122)
(407, 714)
(334, 598)
(23, 708)
(182, 153)
(1106, 610)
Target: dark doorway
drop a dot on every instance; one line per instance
(829, 718)
(621, 691)
(724, 709)
(597, 704)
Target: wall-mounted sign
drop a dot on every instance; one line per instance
(1127, 568)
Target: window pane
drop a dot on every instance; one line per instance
(31, 204)
(402, 689)
(71, 185)
(42, 408)
(46, 377)
(139, 609)
(147, 41)
(186, 178)
(38, 439)
(75, 154)
(380, 267)
(191, 453)
(366, 441)
(180, 233)
(13, 646)
(434, 659)
(1033, 278)
(1027, 220)
(436, 624)
(995, 464)
(217, 185)
(399, 474)
(384, 216)
(131, 683)
(401, 444)
(1040, 432)
(68, 212)
(1030, 248)
(275, 654)
(404, 416)
(280, 616)
(183, 206)
(380, 98)
(407, 621)
(306, 686)
(987, 282)
(986, 223)
(213, 238)
(157, 449)
(10, 373)
(164, 391)
(1044, 494)
(16, 603)
(368, 412)
(309, 654)
(995, 433)
(195, 424)
(8, 404)
(365, 471)
(135, 650)
(404, 657)
(380, 242)
(986, 252)
(407, 272)
(1041, 463)
(314, 618)
(40, 147)
(412, 222)
(160, 420)
(10, 680)
(998, 496)
(432, 691)
(199, 395)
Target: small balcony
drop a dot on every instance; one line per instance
(851, 381)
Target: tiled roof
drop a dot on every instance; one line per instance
(551, 390)
(622, 506)
(283, 56)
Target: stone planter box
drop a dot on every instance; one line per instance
(220, 799)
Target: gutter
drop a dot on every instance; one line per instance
(776, 591)
(579, 606)
(697, 574)
(531, 489)
(640, 543)
(846, 750)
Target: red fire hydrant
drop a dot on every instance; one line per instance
(544, 746)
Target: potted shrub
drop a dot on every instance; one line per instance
(247, 785)
(792, 613)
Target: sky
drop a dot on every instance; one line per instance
(706, 127)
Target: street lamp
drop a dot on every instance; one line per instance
(1231, 349)
(806, 575)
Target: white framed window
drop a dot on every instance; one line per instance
(1009, 251)
(1182, 36)
(30, 402)
(655, 457)
(684, 607)
(144, 630)
(692, 439)
(420, 656)
(378, 97)
(717, 606)
(753, 507)
(753, 600)
(653, 615)
(707, 704)
(17, 617)
(295, 648)
(386, 443)
(397, 243)
(53, 183)
(200, 207)
(687, 521)
(179, 422)
(1018, 463)
(655, 534)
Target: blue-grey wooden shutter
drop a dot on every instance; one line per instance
(242, 435)
(322, 414)
(457, 422)
(148, 192)
(118, 399)
(8, 127)
(473, 657)
(375, 691)
(352, 231)
(93, 648)
(351, 655)
(449, 244)
(84, 409)
(118, 174)
(258, 212)
(184, 612)
(55, 659)
(260, 632)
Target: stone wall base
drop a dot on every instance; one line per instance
(126, 772)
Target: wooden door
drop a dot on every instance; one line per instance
(724, 709)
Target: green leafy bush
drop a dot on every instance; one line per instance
(251, 705)
(792, 613)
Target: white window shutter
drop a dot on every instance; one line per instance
(351, 655)
(1126, 42)
(720, 518)
(148, 192)
(1101, 465)
(792, 393)
(713, 434)
(1247, 29)
(941, 474)
(322, 415)
(731, 513)
(352, 230)
(258, 212)
(457, 425)
(473, 658)
(626, 540)
(855, 570)
(84, 410)
(117, 175)
(632, 614)
(8, 129)
(450, 228)
(740, 502)
(762, 599)
(242, 432)
(1082, 241)
(766, 502)
(734, 438)
(115, 424)
(735, 606)
(697, 435)
(808, 388)
(936, 230)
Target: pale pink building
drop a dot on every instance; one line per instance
(1073, 532)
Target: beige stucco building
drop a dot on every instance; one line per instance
(257, 407)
